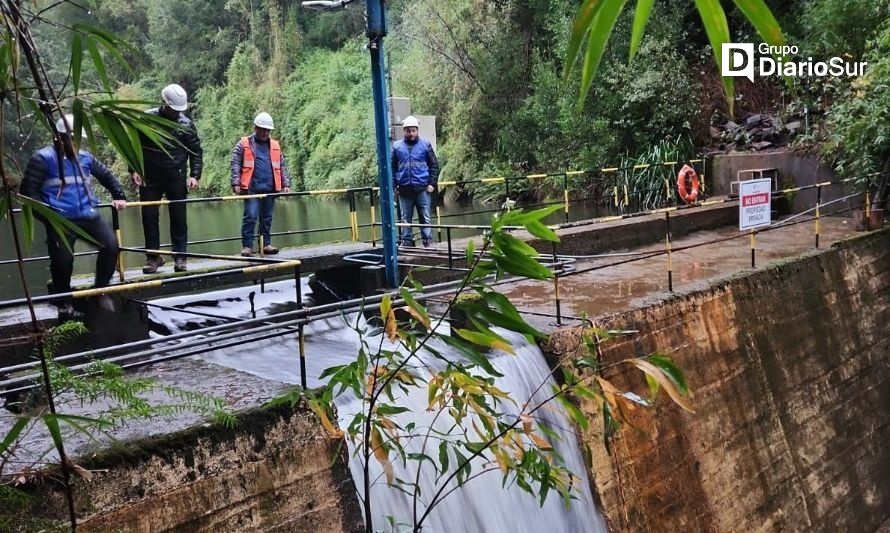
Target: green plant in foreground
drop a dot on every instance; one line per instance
(126, 400)
(596, 19)
(488, 430)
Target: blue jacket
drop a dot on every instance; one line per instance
(71, 195)
(414, 165)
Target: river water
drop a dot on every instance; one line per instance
(215, 220)
(482, 504)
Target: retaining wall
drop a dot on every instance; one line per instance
(273, 472)
(794, 170)
(790, 368)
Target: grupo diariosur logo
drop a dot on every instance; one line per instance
(738, 60)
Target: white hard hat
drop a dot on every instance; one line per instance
(174, 96)
(69, 118)
(264, 120)
(410, 122)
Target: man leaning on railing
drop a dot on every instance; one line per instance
(59, 176)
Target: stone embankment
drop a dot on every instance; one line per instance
(272, 472)
(790, 369)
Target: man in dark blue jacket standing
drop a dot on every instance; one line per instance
(415, 175)
(60, 177)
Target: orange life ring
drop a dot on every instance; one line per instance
(685, 173)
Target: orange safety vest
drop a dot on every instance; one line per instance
(249, 161)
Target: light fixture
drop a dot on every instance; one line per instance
(325, 5)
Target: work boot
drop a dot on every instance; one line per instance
(67, 312)
(246, 252)
(105, 303)
(427, 244)
(152, 264)
(179, 264)
(270, 250)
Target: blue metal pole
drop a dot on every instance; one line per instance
(376, 31)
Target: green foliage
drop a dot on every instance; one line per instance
(177, 54)
(859, 121)
(596, 19)
(486, 430)
(841, 27)
(101, 383)
(647, 174)
(330, 118)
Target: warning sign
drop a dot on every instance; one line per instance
(754, 203)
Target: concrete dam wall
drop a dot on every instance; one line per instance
(272, 472)
(790, 371)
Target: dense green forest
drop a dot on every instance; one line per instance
(492, 73)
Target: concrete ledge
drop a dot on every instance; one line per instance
(273, 472)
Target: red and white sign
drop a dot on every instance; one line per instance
(755, 199)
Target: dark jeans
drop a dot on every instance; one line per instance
(254, 208)
(408, 201)
(153, 190)
(61, 262)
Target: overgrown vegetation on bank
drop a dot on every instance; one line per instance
(491, 72)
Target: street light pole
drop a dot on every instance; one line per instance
(376, 15)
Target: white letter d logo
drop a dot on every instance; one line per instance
(737, 60)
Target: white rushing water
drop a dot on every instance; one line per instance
(482, 505)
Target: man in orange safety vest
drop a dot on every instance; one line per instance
(258, 167)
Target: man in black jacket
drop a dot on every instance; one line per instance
(59, 176)
(165, 175)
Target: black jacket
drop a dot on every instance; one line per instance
(161, 166)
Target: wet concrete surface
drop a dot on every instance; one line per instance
(616, 288)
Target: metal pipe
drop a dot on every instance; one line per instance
(116, 226)
(667, 222)
(300, 338)
(262, 326)
(450, 259)
(373, 223)
(752, 249)
(556, 290)
(375, 12)
(303, 313)
(565, 194)
(818, 202)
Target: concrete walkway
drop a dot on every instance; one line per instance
(617, 288)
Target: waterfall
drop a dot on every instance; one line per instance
(481, 505)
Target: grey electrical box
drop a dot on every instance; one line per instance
(399, 108)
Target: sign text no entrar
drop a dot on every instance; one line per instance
(755, 198)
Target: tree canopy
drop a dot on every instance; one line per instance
(495, 74)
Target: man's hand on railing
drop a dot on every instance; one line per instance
(119, 204)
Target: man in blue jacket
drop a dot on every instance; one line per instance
(60, 177)
(415, 175)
